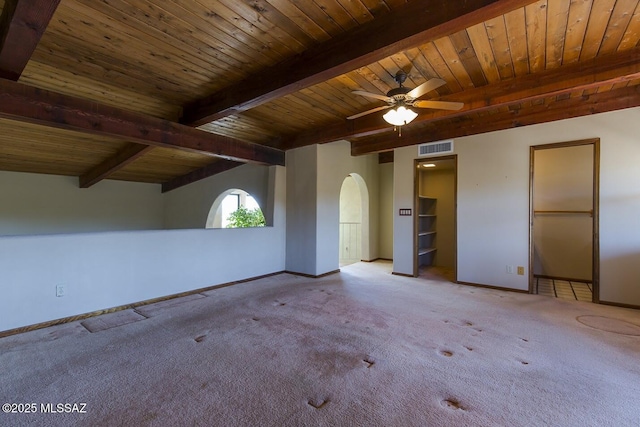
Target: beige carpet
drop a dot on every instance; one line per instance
(359, 348)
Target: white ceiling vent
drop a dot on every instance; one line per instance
(435, 148)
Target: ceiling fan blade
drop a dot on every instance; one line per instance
(373, 110)
(425, 87)
(440, 105)
(373, 95)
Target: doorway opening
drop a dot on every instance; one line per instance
(354, 220)
(435, 220)
(564, 211)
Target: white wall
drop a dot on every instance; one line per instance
(493, 202)
(302, 166)
(385, 211)
(335, 163)
(102, 270)
(314, 177)
(403, 198)
(189, 206)
(48, 204)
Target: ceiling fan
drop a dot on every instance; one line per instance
(400, 98)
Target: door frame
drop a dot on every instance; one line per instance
(595, 256)
(416, 188)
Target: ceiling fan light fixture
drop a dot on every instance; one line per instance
(399, 116)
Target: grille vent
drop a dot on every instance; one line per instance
(435, 148)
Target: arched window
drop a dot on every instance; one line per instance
(235, 208)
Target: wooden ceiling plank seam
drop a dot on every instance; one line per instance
(557, 19)
(423, 66)
(393, 4)
(199, 174)
(631, 36)
(618, 24)
(155, 24)
(536, 21)
(304, 116)
(96, 174)
(233, 131)
(253, 119)
(340, 92)
(226, 33)
(337, 13)
(25, 103)
(84, 27)
(576, 30)
(162, 24)
(173, 62)
(352, 82)
(305, 100)
(289, 107)
(358, 11)
(573, 107)
(302, 19)
(250, 132)
(377, 7)
(363, 45)
(343, 93)
(77, 41)
(22, 24)
(380, 76)
(130, 76)
(239, 30)
(233, 33)
(480, 42)
(599, 18)
(450, 55)
(115, 96)
(255, 13)
(320, 93)
(321, 14)
(497, 33)
(515, 23)
(469, 57)
(430, 52)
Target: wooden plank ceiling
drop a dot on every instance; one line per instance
(113, 89)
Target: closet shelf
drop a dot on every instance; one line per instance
(426, 232)
(589, 212)
(424, 251)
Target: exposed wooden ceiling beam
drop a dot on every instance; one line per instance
(202, 173)
(28, 104)
(605, 70)
(412, 24)
(125, 156)
(570, 107)
(22, 24)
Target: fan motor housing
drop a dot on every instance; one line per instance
(398, 92)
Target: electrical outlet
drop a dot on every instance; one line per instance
(509, 269)
(61, 290)
(520, 270)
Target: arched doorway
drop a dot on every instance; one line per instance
(354, 220)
